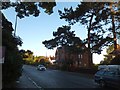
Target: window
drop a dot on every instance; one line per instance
(109, 73)
(79, 62)
(101, 72)
(80, 56)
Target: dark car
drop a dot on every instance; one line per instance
(108, 78)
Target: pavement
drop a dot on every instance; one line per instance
(25, 82)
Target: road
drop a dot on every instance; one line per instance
(56, 79)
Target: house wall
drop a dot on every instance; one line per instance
(79, 60)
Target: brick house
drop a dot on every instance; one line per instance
(117, 51)
(63, 56)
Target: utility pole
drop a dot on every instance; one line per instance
(15, 26)
(46, 53)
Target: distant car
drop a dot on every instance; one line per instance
(108, 78)
(41, 67)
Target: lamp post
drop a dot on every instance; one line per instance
(46, 53)
(15, 25)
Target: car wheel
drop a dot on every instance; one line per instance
(102, 83)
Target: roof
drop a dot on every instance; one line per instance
(116, 51)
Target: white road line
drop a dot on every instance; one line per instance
(33, 82)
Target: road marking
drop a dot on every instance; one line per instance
(33, 82)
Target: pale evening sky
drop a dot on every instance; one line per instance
(34, 30)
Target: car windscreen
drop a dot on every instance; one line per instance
(101, 72)
(41, 65)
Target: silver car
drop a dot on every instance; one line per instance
(108, 78)
(41, 67)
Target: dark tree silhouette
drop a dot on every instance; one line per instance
(90, 15)
(12, 57)
(29, 8)
(111, 15)
(63, 37)
(11, 68)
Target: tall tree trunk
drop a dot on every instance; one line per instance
(114, 33)
(89, 49)
(113, 26)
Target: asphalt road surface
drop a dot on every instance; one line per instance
(56, 79)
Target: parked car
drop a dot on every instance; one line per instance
(41, 67)
(108, 77)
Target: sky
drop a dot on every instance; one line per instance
(34, 30)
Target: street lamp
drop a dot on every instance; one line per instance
(15, 25)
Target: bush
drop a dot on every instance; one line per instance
(64, 67)
(12, 68)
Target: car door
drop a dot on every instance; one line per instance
(111, 78)
(116, 79)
